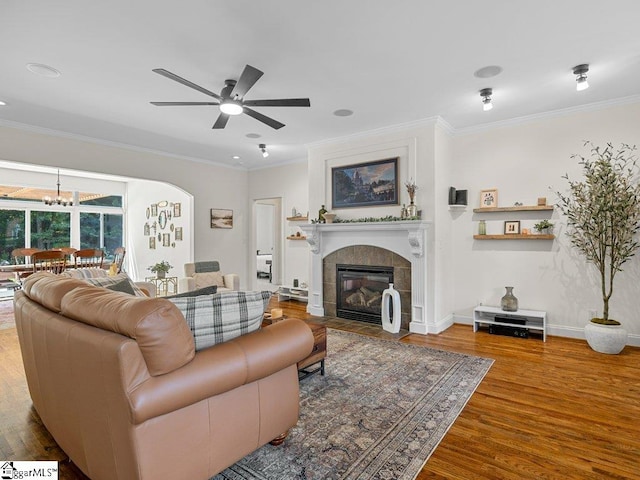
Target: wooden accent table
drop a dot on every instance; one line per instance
(308, 366)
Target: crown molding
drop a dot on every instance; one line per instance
(589, 107)
(109, 143)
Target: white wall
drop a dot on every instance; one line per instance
(211, 186)
(523, 161)
(290, 183)
(141, 194)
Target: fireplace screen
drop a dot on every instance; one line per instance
(359, 291)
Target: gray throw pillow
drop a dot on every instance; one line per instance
(122, 286)
(210, 290)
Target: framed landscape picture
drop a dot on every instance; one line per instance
(221, 218)
(365, 184)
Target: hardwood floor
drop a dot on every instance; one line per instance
(554, 410)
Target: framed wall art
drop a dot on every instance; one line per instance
(489, 198)
(166, 239)
(178, 234)
(512, 227)
(177, 210)
(221, 218)
(365, 184)
(152, 243)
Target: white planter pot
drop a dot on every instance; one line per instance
(609, 339)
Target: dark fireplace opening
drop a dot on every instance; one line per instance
(359, 291)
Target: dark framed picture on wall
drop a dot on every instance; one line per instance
(365, 184)
(512, 227)
(221, 218)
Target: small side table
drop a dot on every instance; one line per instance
(164, 286)
(318, 354)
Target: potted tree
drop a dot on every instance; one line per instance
(603, 216)
(161, 268)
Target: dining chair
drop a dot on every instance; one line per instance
(118, 258)
(89, 258)
(22, 256)
(68, 251)
(54, 261)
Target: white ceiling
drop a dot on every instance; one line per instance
(389, 62)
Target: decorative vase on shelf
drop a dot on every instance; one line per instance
(161, 274)
(509, 302)
(321, 214)
(482, 227)
(412, 209)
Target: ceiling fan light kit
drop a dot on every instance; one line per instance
(231, 99)
(580, 71)
(487, 103)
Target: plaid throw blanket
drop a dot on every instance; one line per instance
(219, 318)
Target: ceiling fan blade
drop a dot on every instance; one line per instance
(281, 102)
(176, 78)
(177, 104)
(221, 122)
(248, 78)
(263, 118)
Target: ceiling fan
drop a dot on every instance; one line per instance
(231, 99)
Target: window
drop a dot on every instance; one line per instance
(12, 231)
(101, 230)
(50, 229)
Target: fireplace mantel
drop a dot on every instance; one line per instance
(406, 238)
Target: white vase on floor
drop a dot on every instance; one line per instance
(391, 296)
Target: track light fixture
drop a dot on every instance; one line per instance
(263, 149)
(580, 71)
(65, 202)
(485, 94)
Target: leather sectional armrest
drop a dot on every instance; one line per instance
(223, 367)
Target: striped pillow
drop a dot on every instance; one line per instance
(221, 317)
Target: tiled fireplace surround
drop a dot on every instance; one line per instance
(402, 245)
(369, 256)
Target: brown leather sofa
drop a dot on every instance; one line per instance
(116, 380)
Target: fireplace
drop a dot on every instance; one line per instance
(359, 291)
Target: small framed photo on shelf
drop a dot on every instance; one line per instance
(512, 227)
(489, 198)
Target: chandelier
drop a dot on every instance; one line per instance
(59, 200)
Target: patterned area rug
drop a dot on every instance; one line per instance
(378, 413)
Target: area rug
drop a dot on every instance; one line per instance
(6, 314)
(378, 413)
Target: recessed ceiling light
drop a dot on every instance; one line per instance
(236, 157)
(253, 135)
(2, 104)
(43, 70)
(343, 112)
(488, 71)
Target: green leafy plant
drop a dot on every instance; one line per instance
(162, 266)
(603, 213)
(543, 225)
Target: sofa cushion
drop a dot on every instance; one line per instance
(47, 289)
(155, 324)
(210, 290)
(208, 278)
(85, 273)
(218, 318)
(110, 281)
